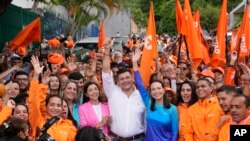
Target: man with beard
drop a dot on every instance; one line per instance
(14, 129)
(23, 79)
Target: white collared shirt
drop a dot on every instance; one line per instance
(127, 113)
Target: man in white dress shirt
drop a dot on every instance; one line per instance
(126, 106)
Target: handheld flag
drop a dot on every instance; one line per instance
(218, 57)
(102, 35)
(30, 33)
(149, 52)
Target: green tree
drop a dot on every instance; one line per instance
(79, 11)
(165, 12)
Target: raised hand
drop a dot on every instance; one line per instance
(233, 57)
(108, 43)
(136, 55)
(71, 64)
(11, 103)
(36, 65)
(246, 71)
(45, 77)
(7, 89)
(17, 67)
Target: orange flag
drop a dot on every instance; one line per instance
(194, 45)
(205, 48)
(234, 37)
(244, 35)
(197, 25)
(218, 57)
(102, 35)
(149, 52)
(178, 15)
(30, 33)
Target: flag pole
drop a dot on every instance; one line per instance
(226, 50)
(238, 51)
(179, 49)
(157, 62)
(185, 41)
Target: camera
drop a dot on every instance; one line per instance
(45, 136)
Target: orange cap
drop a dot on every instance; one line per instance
(206, 72)
(55, 58)
(21, 51)
(221, 70)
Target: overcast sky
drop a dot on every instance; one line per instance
(23, 3)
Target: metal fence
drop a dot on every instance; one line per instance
(12, 22)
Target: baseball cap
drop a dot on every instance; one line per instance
(218, 69)
(206, 72)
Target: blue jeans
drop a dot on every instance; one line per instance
(142, 138)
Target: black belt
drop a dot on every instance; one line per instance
(127, 138)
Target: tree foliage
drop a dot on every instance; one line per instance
(80, 12)
(165, 13)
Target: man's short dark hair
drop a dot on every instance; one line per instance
(20, 73)
(15, 58)
(114, 65)
(123, 70)
(21, 98)
(204, 79)
(227, 89)
(75, 76)
(247, 99)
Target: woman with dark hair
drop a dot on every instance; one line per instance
(12, 89)
(167, 82)
(185, 98)
(89, 133)
(66, 114)
(94, 112)
(158, 106)
(61, 130)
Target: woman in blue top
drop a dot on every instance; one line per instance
(162, 117)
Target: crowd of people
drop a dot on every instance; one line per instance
(103, 97)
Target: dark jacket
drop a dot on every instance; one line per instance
(11, 138)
